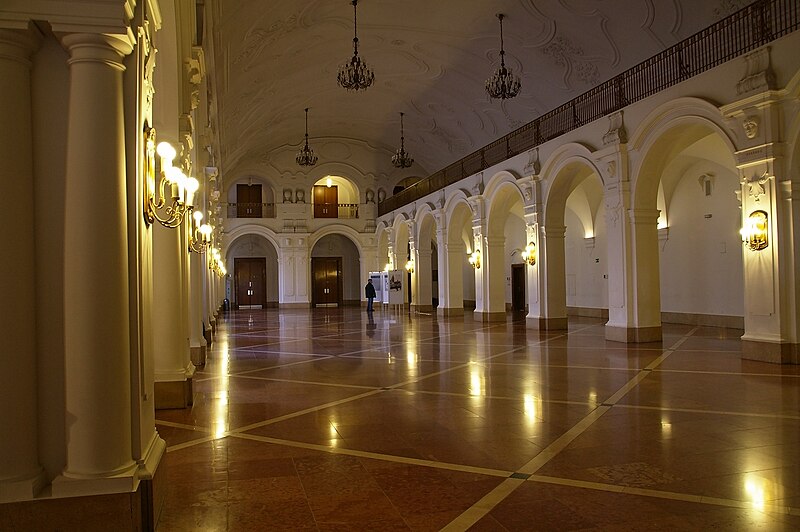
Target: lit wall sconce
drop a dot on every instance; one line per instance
(329, 182)
(529, 255)
(200, 237)
(169, 180)
(410, 266)
(754, 233)
(475, 259)
(216, 263)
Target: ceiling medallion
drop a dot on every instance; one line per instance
(402, 159)
(503, 84)
(306, 157)
(355, 75)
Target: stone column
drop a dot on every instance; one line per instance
(21, 476)
(553, 287)
(96, 322)
(197, 343)
(422, 272)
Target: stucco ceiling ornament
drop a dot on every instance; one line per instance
(750, 125)
(755, 185)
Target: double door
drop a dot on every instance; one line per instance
(327, 281)
(248, 201)
(250, 275)
(326, 201)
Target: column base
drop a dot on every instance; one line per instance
(633, 335)
(487, 317)
(209, 337)
(173, 394)
(213, 325)
(547, 324)
(450, 311)
(198, 355)
(22, 489)
(422, 308)
(294, 305)
(773, 353)
(130, 502)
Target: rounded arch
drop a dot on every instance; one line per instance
(249, 178)
(504, 197)
(348, 190)
(564, 172)
(250, 229)
(666, 131)
(426, 223)
(336, 229)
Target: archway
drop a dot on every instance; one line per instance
(335, 272)
(253, 261)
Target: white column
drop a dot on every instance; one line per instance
(553, 283)
(422, 271)
(172, 365)
(21, 476)
(96, 327)
(197, 343)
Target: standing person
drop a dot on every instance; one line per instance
(369, 291)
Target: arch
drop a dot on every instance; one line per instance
(501, 198)
(565, 171)
(248, 229)
(336, 229)
(348, 190)
(667, 130)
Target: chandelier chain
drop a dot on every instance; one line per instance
(355, 75)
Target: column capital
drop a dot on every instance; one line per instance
(644, 216)
(97, 48)
(18, 45)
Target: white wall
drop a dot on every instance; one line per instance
(586, 265)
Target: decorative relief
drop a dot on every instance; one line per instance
(300, 195)
(569, 56)
(533, 167)
(255, 41)
(758, 72)
(616, 133)
(750, 125)
(287, 195)
(755, 185)
(728, 7)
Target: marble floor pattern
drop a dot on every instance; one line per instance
(339, 419)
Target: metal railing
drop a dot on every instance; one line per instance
(755, 25)
(251, 210)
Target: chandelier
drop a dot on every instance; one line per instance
(306, 156)
(401, 159)
(503, 84)
(355, 75)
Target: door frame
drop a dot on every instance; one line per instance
(315, 261)
(252, 260)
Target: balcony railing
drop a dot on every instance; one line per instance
(757, 24)
(339, 210)
(251, 210)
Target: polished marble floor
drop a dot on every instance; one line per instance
(336, 419)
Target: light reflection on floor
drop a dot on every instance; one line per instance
(333, 419)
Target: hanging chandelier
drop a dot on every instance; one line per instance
(306, 156)
(503, 84)
(402, 159)
(355, 75)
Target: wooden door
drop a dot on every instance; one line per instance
(250, 279)
(518, 287)
(326, 202)
(326, 280)
(248, 201)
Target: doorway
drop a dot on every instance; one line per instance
(517, 287)
(326, 276)
(326, 201)
(250, 279)
(248, 201)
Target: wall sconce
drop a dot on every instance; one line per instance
(181, 187)
(410, 266)
(329, 182)
(475, 259)
(216, 263)
(200, 237)
(529, 255)
(754, 233)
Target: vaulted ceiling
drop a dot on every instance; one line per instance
(271, 59)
